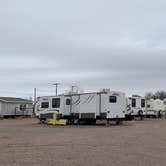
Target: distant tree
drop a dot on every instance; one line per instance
(149, 95)
(160, 95)
(157, 95)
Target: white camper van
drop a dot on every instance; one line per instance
(84, 106)
(136, 106)
(155, 108)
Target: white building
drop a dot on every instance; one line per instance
(10, 106)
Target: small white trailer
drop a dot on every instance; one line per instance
(155, 108)
(84, 106)
(136, 107)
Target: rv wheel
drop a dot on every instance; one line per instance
(140, 113)
(71, 122)
(117, 121)
(93, 121)
(159, 114)
(108, 123)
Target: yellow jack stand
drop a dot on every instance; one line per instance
(54, 121)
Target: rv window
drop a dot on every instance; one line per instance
(67, 101)
(148, 105)
(143, 103)
(44, 104)
(133, 102)
(56, 103)
(112, 99)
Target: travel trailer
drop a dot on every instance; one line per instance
(109, 105)
(136, 107)
(155, 108)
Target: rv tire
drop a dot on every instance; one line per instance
(140, 114)
(108, 123)
(159, 114)
(117, 121)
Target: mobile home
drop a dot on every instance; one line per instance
(84, 106)
(10, 106)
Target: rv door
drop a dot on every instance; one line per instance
(67, 106)
(56, 103)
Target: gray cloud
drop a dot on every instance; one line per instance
(117, 44)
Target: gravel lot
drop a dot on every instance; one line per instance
(138, 143)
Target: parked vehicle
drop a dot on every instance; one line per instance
(155, 108)
(109, 105)
(136, 107)
(164, 102)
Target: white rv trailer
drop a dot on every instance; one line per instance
(164, 102)
(136, 107)
(155, 108)
(84, 106)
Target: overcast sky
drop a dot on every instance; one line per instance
(116, 44)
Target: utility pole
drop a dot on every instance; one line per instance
(74, 86)
(34, 101)
(56, 85)
(34, 95)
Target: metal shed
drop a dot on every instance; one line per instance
(10, 106)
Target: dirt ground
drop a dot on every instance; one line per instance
(24, 142)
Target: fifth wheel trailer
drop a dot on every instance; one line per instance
(109, 105)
